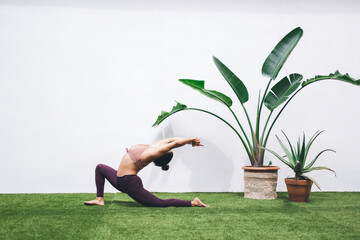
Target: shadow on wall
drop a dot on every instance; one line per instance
(209, 168)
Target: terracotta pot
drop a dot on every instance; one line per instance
(260, 182)
(298, 190)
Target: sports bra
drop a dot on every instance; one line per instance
(135, 154)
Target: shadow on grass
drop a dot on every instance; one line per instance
(283, 196)
(240, 194)
(280, 196)
(124, 203)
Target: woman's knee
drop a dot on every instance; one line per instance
(99, 167)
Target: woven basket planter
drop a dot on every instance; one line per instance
(260, 182)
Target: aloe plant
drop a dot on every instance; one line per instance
(254, 140)
(296, 156)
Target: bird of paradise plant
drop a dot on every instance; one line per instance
(281, 93)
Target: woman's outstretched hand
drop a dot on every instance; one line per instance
(196, 142)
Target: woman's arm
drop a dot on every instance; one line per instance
(160, 148)
(181, 141)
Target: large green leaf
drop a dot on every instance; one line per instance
(199, 86)
(281, 52)
(282, 90)
(333, 76)
(235, 83)
(177, 108)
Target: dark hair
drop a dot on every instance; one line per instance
(164, 160)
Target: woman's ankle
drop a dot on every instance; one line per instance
(101, 199)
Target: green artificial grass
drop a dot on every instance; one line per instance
(230, 216)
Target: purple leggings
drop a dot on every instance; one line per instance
(132, 185)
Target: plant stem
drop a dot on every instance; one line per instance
(258, 117)
(263, 133)
(242, 129)
(242, 140)
(257, 152)
(252, 135)
(277, 116)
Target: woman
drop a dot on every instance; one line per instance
(125, 179)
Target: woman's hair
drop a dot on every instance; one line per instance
(164, 160)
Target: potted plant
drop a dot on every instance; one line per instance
(258, 185)
(299, 187)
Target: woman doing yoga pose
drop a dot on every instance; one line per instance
(125, 179)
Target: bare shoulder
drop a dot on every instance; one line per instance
(150, 153)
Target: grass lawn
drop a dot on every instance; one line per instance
(230, 216)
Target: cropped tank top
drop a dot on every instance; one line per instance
(135, 154)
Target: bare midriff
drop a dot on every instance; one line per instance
(127, 166)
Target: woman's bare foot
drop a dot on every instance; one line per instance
(96, 201)
(197, 203)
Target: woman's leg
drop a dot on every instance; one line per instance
(150, 200)
(101, 172)
(134, 188)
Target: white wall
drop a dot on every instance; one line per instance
(80, 81)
